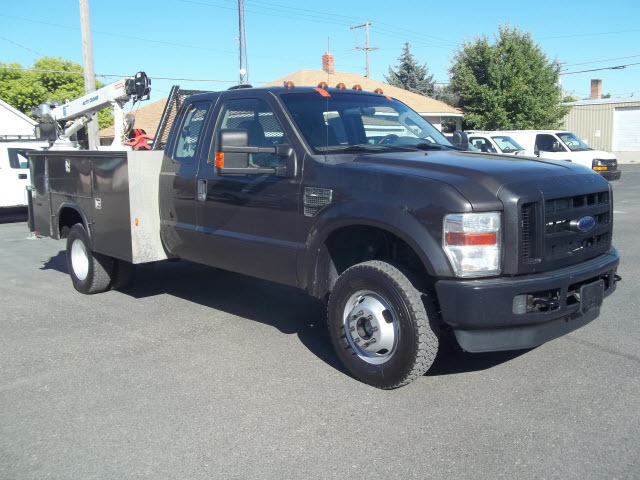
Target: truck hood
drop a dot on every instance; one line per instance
(477, 176)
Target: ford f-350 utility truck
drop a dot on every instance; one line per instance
(356, 199)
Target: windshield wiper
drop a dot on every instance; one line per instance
(364, 147)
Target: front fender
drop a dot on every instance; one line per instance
(398, 221)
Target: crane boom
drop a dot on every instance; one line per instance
(82, 109)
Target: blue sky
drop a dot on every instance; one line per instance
(196, 39)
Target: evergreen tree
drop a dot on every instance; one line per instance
(507, 84)
(410, 75)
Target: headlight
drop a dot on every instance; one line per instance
(472, 243)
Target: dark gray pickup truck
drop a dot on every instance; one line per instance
(356, 199)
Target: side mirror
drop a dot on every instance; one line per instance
(461, 140)
(233, 143)
(555, 147)
(232, 157)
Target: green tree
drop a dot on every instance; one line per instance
(410, 75)
(507, 84)
(25, 89)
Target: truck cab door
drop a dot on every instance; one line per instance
(178, 179)
(14, 172)
(250, 223)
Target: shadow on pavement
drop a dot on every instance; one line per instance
(288, 309)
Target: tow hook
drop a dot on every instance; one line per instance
(617, 278)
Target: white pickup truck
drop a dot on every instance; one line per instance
(14, 170)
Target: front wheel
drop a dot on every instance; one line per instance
(90, 272)
(381, 325)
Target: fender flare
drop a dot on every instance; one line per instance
(78, 209)
(397, 221)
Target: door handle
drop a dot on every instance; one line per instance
(202, 189)
(22, 176)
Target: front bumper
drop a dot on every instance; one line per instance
(481, 312)
(611, 175)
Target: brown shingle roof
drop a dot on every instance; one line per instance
(420, 103)
(147, 118)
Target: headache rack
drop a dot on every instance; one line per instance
(174, 102)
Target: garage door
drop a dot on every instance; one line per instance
(626, 129)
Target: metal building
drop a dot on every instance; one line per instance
(610, 124)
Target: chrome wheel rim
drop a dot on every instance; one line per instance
(79, 259)
(370, 326)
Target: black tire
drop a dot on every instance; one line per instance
(123, 275)
(415, 340)
(95, 275)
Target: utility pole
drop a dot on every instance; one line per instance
(366, 48)
(89, 75)
(242, 40)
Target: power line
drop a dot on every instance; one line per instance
(589, 34)
(111, 75)
(22, 46)
(617, 67)
(600, 61)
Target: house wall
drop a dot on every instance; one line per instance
(594, 123)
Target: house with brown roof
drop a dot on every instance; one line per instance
(432, 110)
(147, 118)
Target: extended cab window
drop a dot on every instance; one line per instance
(191, 131)
(257, 118)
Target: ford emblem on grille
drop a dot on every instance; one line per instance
(584, 224)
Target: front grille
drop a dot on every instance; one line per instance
(563, 238)
(528, 223)
(549, 233)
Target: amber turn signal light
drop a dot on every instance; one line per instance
(219, 160)
(473, 239)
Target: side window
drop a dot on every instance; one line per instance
(257, 117)
(482, 144)
(18, 158)
(190, 132)
(544, 142)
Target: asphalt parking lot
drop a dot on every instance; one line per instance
(199, 373)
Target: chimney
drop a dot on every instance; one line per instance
(596, 88)
(327, 62)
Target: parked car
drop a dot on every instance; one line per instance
(563, 145)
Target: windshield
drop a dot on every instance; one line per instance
(334, 122)
(507, 144)
(573, 142)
